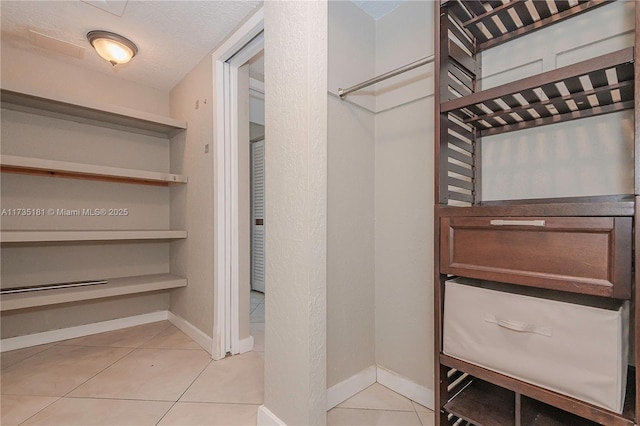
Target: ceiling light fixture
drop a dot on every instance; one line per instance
(112, 47)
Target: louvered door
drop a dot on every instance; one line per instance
(257, 216)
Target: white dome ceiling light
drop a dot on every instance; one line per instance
(112, 47)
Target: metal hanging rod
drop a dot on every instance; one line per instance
(420, 62)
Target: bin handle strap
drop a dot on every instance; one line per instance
(518, 326)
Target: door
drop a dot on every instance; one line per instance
(257, 216)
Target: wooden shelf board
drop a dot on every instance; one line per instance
(60, 236)
(610, 205)
(37, 166)
(566, 403)
(484, 404)
(612, 96)
(480, 15)
(536, 413)
(114, 287)
(105, 115)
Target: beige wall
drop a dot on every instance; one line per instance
(350, 233)
(593, 156)
(296, 190)
(380, 245)
(192, 204)
(404, 196)
(350, 246)
(352, 52)
(24, 135)
(45, 74)
(35, 320)
(404, 241)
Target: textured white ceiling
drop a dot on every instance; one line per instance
(378, 8)
(172, 36)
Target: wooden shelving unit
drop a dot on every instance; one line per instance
(468, 394)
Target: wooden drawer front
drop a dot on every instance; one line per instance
(590, 255)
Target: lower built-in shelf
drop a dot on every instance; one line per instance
(113, 287)
(553, 409)
(484, 404)
(61, 236)
(64, 169)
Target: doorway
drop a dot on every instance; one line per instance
(231, 61)
(257, 222)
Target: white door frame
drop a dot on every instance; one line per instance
(226, 60)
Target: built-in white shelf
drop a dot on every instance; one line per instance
(39, 166)
(114, 287)
(61, 236)
(105, 115)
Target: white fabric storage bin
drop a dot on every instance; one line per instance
(574, 349)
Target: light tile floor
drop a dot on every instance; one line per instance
(154, 374)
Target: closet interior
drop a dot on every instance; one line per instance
(86, 191)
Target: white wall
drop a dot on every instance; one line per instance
(404, 196)
(381, 196)
(193, 100)
(296, 190)
(350, 251)
(592, 156)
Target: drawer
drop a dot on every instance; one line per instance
(578, 350)
(590, 255)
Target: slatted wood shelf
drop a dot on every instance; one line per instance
(65, 169)
(114, 287)
(566, 403)
(71, 236)
(105, 115)
(483, 404)
(593, 87)
(492, 23)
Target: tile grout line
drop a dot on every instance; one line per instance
(65, 395)
(104, 369)
(31, 356)
(185, 391)
(43, 408)
(128, 350)
(135, 348)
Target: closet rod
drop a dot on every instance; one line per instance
(420, 62)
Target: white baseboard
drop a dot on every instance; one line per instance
(245, 345)
(344, 390)
(405, 387)
(267, 418)
(19, 342)
(192, 331)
